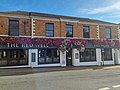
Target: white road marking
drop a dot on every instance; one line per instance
(116, 86)
(106, 88)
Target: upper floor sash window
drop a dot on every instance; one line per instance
(108, 33)
(86, 32)
(69, 30)
(49, 30)
(13, 28)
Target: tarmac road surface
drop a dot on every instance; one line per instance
(99, 79)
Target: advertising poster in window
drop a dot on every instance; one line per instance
(76, 55)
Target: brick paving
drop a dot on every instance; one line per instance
(19, 71)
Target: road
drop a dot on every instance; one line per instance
(99, 79)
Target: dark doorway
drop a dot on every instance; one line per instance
(69, 57)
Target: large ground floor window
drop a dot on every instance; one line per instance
(88, 55)
(13, 57)
(107, 54)
(48, 56)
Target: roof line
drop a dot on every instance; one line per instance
(17, 12)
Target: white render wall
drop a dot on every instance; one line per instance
(76, 62)
(75, 59)
(33, 64)
(117, 56)
(111, 62)
(63, 59)
(99, 62)
(98, 56)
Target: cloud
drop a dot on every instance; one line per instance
(114, 16)
(107, 9)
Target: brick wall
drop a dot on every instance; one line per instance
(3, 25)
(59, 28)
(21, 27)
(114, 32)
(40, 27)
(102, 32)
(93, 31)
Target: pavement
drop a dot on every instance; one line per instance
(24, 71)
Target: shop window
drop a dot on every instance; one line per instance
(13, 57)
(13, 28)
(56, 55)
(88, 55)
(48, 56)
(41, 55)
(18, 54)
(23, 54)
(0, 54)
(69, 30)
(3, 54)
(23, 57)
(13, 53)
(107, 54)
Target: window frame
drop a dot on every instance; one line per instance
(84, 33)
(84, 55)
(14, 54)
(9, 28)
(69, 30)
(45, 54)
(9, 60)
(106, 56)
(2, 54)
(106, 33)
(48, 30)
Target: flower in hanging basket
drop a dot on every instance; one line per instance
(62, 49)
(63, 45)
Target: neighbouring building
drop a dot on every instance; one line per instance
(30, 39)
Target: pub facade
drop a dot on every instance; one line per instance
(30, 39)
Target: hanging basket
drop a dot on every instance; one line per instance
(81, 49)
(62, 49)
